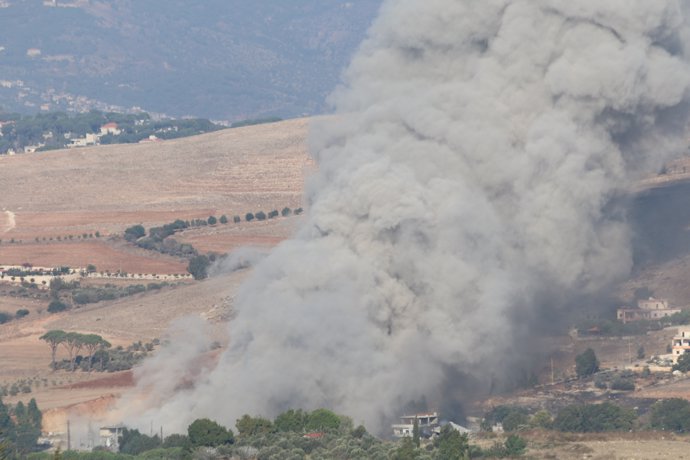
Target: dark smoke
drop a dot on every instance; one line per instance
(469, 175)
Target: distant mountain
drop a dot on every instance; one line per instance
(221, 59)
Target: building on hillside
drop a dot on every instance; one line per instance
(32, 148)
(109, 436)
(151, 138)
(110, 128)
(680, 344)
(647, 309)
(427, 424)
(88, 139)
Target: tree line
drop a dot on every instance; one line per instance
(73, 343)
(99, 355)
(159, 238)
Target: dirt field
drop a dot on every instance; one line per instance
(598, 446)
(103, 255)
(225, 238)
(229, 171)
(49, 197)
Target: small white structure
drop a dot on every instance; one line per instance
(109, 436)
(426, 422)
(89, 139)
(110, 128)
(680, 344)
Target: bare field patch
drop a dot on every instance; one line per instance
(225, 238)
(80, 254)
(240, 169)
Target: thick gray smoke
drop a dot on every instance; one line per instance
(471, 167)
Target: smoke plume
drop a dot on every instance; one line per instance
(472, 167)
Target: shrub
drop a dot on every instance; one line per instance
(623, 384)
(212, 220)
(5, 317)
(236, 219)
(515, 446)
(249, 217)
(260, 215)
(56, 306)
(594, 418)
(198, 267)
(683, 363)
(514, 420)
(273, 214)
(22, 312)
(322, 420)
(134, 232)
(205, 432)
(286, 212)
(223, 219)
(586, 363)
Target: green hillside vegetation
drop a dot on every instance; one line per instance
(55, 130)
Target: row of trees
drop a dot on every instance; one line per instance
(73, 343)
(263, 216)
(158, 238)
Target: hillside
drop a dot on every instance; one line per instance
(105, 189)
(226, 60)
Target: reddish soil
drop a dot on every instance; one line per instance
(81, 253)
(117, 379)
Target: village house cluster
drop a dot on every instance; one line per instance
(647, 309)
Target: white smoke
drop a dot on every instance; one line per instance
(471, 166)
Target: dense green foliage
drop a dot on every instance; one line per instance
(252, 426)
(198, 267)
(586, 363)
(206, 432)
(594, 418)
(5, 317)
(134, 232)
(56, 129)
(133, 442)
(56, 306)
(99, 355)
(20, 428)
(451, 444)
(671, 415)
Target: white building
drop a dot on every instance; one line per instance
(647, 310)
(427, 422)
(680, 343)
(109, 436)
(110, 128)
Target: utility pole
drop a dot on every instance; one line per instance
(69, 440)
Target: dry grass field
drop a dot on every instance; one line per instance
(51, 196)
(63, 195)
